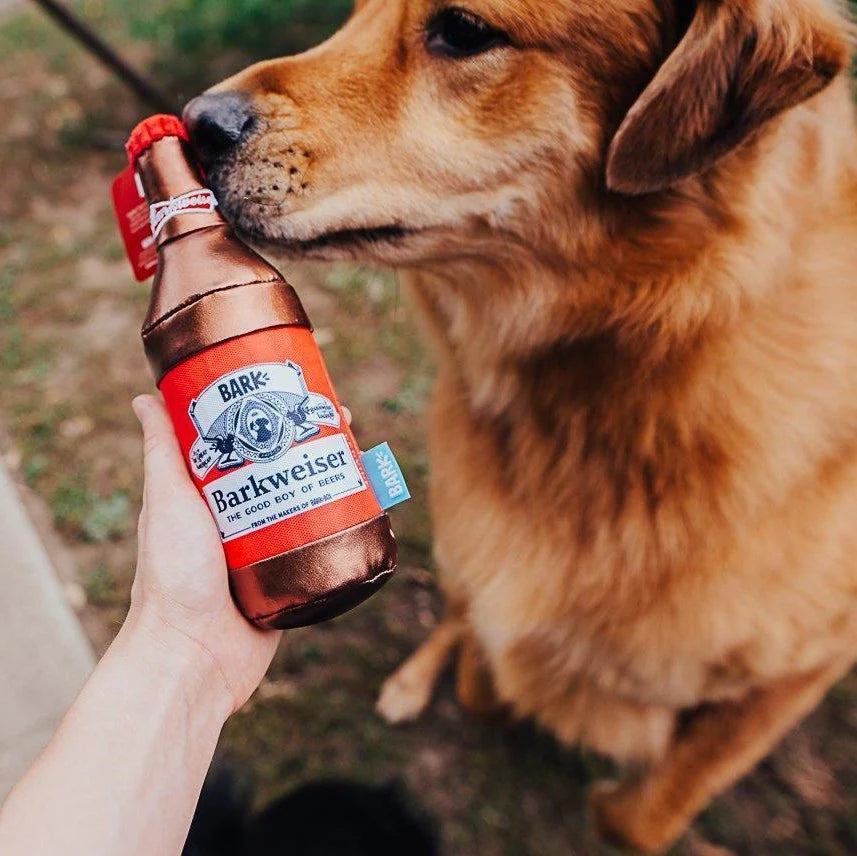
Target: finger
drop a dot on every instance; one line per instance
(346, 412)
(163, 463)
(141, 520)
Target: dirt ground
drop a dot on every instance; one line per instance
(70, 362)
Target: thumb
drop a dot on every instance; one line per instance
(163, 463)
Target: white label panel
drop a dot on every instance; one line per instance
(307, 476)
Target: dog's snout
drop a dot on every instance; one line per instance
(218, 122)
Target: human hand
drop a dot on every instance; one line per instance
(181, 589)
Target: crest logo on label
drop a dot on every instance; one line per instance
(255, 414)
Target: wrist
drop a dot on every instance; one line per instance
(180, 662)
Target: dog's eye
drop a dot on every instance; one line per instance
(456, 33)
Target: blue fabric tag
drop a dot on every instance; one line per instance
(385, 476)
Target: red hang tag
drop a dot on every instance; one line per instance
(132, 214)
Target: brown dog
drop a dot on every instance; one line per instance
(631, 227)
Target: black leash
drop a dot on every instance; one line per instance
(146, 91)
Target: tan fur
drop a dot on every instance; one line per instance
(645, 421)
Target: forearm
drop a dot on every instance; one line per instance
(123, 773)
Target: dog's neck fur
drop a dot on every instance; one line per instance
(733, 238)
(613, 343)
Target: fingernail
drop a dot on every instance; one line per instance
(138, 405)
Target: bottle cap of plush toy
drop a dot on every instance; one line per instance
(151, 130)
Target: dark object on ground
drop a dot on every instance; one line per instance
(222, 815)
(325, 818)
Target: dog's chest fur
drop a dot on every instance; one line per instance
(671, 531)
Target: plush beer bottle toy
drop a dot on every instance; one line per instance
(256, 416)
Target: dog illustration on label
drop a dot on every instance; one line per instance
(255, 414)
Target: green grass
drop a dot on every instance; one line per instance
(84, 514)
(198, 42)
(100, 586)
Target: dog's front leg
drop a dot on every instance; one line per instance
(718, 745)
(474, 681)
(407, 692)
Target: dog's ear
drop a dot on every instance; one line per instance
(740, 63)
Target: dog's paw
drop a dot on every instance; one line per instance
(403, 697)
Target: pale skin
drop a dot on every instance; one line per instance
(123, 772)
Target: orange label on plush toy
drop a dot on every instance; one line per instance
(267, 445)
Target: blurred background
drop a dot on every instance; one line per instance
(71, 360)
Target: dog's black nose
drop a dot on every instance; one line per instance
(218, 122)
